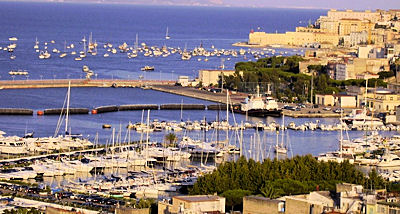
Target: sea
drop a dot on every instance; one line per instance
(188, 27)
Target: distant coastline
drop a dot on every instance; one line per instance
(183, 3)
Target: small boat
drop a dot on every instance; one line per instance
(44, 55)
(106, 126)
(13, 57)
(147, 68)
(13, 39)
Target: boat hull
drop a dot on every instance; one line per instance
(261, 112)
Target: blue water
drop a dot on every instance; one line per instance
(115, 24)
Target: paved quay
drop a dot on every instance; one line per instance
(60, 83)
(200, 94)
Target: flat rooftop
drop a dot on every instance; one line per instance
(198, 198)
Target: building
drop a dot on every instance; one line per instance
(183, 80)
(313, 203)
(350, 68)
(258, 205)
(355, 39)
(129, 210)
(336, 15)
(211, 77)
(325, 99)
(195, 204)
(345, 101)
(302, 38)
(383, 101)
(367, 75)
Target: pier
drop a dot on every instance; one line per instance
(16, 111)
(138, 107)
(182, 106)
(71, 111)
(63, 83)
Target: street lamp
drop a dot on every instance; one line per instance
(95, 75)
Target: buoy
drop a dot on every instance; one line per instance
(40, 113)
(94, 111)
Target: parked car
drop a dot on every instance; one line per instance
(338, 110)
(326, 109)
(301, 105)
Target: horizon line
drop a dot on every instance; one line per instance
(99, 2)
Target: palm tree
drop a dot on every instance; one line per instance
(171, 138)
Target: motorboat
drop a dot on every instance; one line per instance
(359, 118)
(147, 68)
(389, 160)
(12, 146)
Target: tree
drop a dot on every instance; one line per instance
(171, 139)
(234, 198)
(298, 175)
(386, 74)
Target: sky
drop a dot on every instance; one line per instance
(312, 4)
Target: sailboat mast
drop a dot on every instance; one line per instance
(147, 134)
(283, 130)
(227, 106)
(181, 110)
(67, 112)
(277, 139)
(341, 135)
(366, 93)
(137, 42)
(84, 44)
(241, 139)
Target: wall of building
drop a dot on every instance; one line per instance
(326, 100)
(292, 38)
(350, 14)
(132, 211)
(201, 206)
(295, 206)
(346, 101)
(259, 205)
(208, 77)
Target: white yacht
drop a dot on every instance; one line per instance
(258, 106)
(389, 160)
(12, 146)
(359, 118)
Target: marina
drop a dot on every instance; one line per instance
(114, 108)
